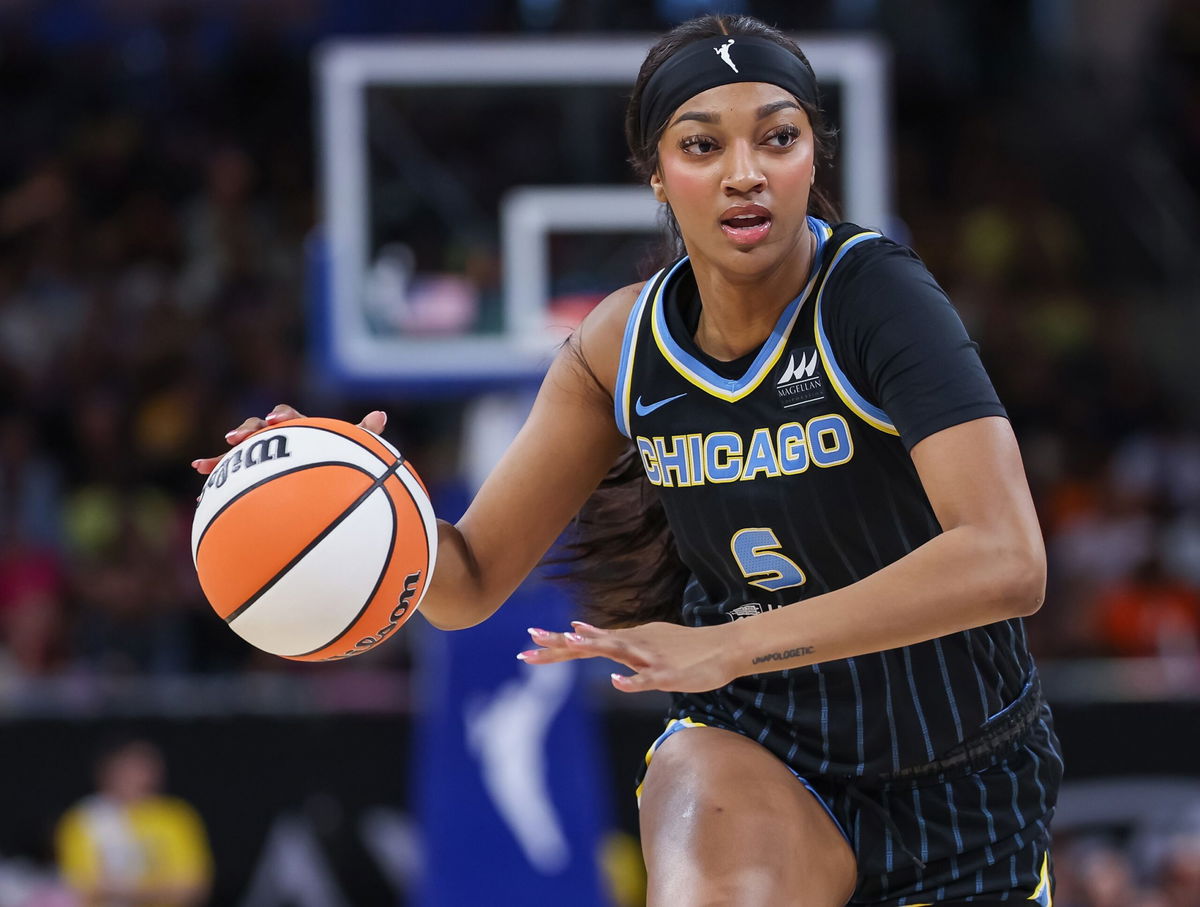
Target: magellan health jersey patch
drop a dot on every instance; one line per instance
(801, 381)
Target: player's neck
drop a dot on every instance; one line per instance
(737, 314)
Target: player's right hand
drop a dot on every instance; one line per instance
(374, 421)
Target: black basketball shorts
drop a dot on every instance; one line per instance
(980, 837)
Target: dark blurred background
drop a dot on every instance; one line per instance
(158, 186)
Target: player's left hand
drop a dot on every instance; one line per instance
(665, 656)
(373, 421)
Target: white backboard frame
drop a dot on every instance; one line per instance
(344, 69)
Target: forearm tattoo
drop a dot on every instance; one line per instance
(784, 655)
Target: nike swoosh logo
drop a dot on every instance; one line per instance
(646, 409)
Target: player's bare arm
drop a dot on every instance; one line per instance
(566, 446)
(564, 449)
(987, 565)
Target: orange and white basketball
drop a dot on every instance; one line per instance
(314, 539)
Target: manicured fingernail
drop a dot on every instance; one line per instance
(195, 463)
(522, 655)
(579, 623)
(230, 434)
(534, 631)
(574, 637)
(617, 678)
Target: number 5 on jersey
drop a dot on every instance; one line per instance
(756, 551)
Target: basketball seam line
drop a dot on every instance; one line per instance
(263, 481)
(374, 589)
(330, 431)
(375, 486)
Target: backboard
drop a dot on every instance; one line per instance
(476, 198)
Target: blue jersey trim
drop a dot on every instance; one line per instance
(850, 395)
(731, 389)
(625, 366)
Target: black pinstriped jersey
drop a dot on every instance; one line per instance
(792, 478)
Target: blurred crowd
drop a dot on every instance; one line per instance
(157, 191)
(154, 210)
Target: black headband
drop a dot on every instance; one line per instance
(720, 61)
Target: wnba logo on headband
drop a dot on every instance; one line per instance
(723, 53)
(690, 70)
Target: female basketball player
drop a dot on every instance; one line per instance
(830, 572)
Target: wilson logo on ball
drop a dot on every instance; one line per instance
(395, 619)
(261, 451)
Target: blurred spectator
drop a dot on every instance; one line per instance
(1099, 874)
(1149, 614)
(127, 581)
(229, 236)
(1180, 871)
(32, 637)
(30, 485)
(1160, 462)
(131, 844)
(1106, 536)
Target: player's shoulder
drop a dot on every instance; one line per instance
(611, 314)
(873, 280)
(854, 251)
(599, 337)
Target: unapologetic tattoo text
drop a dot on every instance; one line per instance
(784, 655)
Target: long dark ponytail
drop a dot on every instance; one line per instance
(620, 553)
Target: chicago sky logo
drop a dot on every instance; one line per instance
(800, 381)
